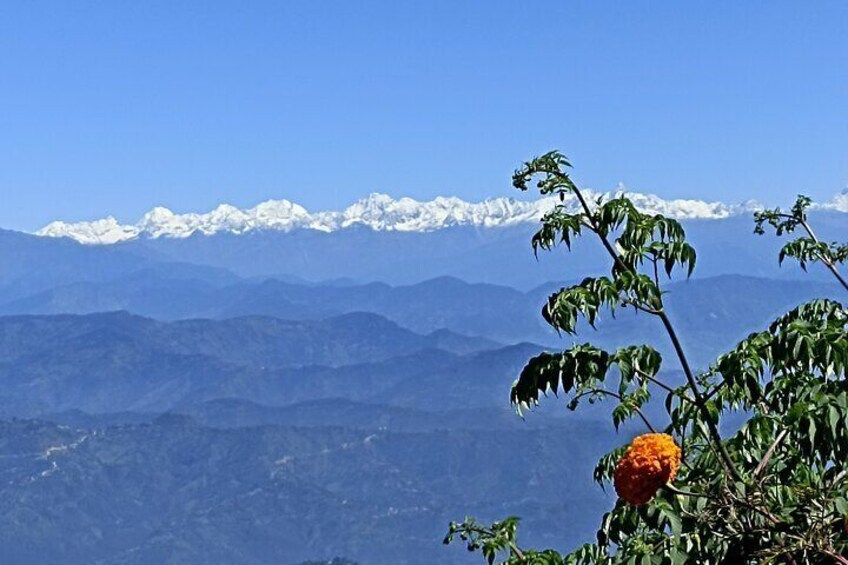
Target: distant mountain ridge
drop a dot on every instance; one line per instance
(117, 361)
(501, 255)
(255, 416)
(378, 212)
(120, 362)
(712, 311)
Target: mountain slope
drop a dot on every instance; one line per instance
(487, 255)
(494, 255)
(115, 362)
(712, 312)
(176, 492)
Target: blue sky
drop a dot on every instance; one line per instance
(114, 107)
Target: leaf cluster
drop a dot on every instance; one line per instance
(805, 249)
(498, 539)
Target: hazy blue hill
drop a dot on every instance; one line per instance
(176, 492)
(31, 264)
(63, 362)
(714, 311)
(163, 291)
(332, 412)
(169, 299)
(222, 419)
(478, 380)
(344, 339)
(342, 412)
(340, 340)
(117, 361)
(334, 561)
(500, 255)
(493, 311)
(475, 309)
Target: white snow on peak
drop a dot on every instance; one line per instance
(379, 212)
(383, 213)
(273, 214)
(839, 202)
(682, 209)
(102, 232)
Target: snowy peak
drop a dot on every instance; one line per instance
(379, 212)
(98, 232)
(839, 202)
(273, 214)
(383, 213)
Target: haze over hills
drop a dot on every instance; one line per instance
(119, 362)
(243, 386)
(172, 491)
(377, 239)
(267, 281)
(327, 345)
(713, 312)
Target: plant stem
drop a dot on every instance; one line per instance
(762, 465)
(518, 553)
(681, 355)
(659, 383)
(699, 398)
(826, 260)
(620, 399)
(835, 556)
(674, 490)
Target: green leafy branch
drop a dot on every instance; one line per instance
(804, 249)
(776, 490)
(639, 240)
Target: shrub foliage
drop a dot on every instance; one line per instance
(774, 491)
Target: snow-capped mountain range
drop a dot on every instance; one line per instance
(378, 212)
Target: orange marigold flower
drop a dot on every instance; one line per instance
(651, 461)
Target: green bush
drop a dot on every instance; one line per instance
(772, 492)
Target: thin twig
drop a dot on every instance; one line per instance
(640, 307)
(769, 452)
(620, 399)
(662, 385)
(674, 490)
(825, 259)
(835, 556)
(518, 553)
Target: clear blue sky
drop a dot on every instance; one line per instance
(113, 107)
